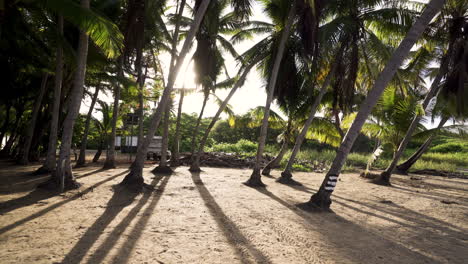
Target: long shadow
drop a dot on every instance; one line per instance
(125, 250)
(329, 231)
(230, 230)
(56, 205)
(119, 201)
(419, 220)
(33, 197)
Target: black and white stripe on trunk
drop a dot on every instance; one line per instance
(331, 183)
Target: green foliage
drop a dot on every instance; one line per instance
(242, 146)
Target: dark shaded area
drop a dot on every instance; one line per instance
(230, 230)
(56, 205)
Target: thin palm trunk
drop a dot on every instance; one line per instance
(135, 177)
(63, 174)
(385, 176)
(6, 150)
(276, 161)
(175, 153)
(405, 166)
(256, 178)
(110, 156)
(163, 167)
(141, 102)
(322, 199)
(24, 155)
(50, 162)
(197, 125)
(84, 140)
(6, 122)
(99, 150)
(286, 175)
(195, 166)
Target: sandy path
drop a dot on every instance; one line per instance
(212, 218)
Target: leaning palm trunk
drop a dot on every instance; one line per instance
(63, 173)
(322, 199)
(385, 176)
(256, 178)
(286, 175)
(24, 155)
(49, 164)
(84, 140)
(405, 166)
(162, 167)
(110, 156)
(135, 177)
(195, 166)
(197, 125)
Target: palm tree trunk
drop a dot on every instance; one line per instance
(286, 175)
(110, 156)
(49, 164)
(385, 176)
(162, 167)
(175, 153)
(84, 140)
(321, 199)
(135, 177)
(276, 161)
(141, 102)
(195, 166)
(99, 150)
(256, 178)
(6, 150)
(197, 125)
(63, 174)
(405, 166)
(24, 155)
(6, 122)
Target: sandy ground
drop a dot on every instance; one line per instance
(212, 218)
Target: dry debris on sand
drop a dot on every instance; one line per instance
(210, 217)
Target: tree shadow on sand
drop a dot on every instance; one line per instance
(121, 198)
(242, 246)
(31, 199)
(422, 225)
(344, 235)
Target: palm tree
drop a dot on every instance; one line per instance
(49, 164)
(24, 154)
(163, 168)
(255, 178)
(63, 173)
(454, 25)
(321, 199)
(84, 140)
(135, 177)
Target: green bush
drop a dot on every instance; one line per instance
(242, 146)
(450, 147)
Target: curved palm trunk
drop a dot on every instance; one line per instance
(195, 166)
(385, 176)
(49, 164)
(63, 173)
(24, 155)
(110, 156)
(197, 126)
(135, 177)
(405, 166)
(255, 179)
(286, 175)
(84, 140)
(321, 199)
(163, 167)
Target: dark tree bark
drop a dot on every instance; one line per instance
(5, 123)
(24, 154)
(84, 140)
